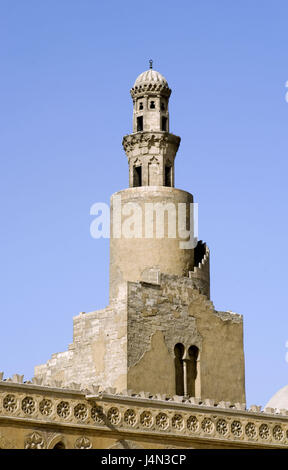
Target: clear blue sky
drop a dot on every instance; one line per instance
(66, 70)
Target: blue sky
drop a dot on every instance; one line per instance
(66, 71)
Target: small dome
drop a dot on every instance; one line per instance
(279, 400)
(150, 76)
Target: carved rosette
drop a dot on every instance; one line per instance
(130, 417)
(63, 409)
(162, 421)
(236, 428)
(97, 414)
(81, 411)
(278, 433)
(113, 415)
(207, 425)
(264, 431)
(28, 405)
(250, 430)
(178, 422)
(221, 427)
(45, 407)
(192, 424)
(10, 403)
(146, 419)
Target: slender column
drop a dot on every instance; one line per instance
(185, 377)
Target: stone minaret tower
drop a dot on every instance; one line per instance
(151, 167)
(160, 333)
(151, 150)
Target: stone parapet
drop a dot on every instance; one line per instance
(94, 418)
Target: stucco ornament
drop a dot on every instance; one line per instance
(34, 441)
(83, 443)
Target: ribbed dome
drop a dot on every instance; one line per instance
(150, 76)
(280, 399)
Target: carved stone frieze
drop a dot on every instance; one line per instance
(157, 88)
(146, 140)
(132, 412)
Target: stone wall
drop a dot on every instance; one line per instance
(173, 311)
(130, 344)
(98, 353)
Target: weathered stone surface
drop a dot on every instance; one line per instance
(97, 353)
(17, 378)
(269, 410)
(37, 380)
(255, 408)
(240, 406)
(141, 357)
(221, 370)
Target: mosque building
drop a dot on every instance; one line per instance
(159, 367)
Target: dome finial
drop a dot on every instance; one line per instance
(151, 63)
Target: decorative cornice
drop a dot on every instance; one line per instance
(139, 413)
(150, 88)
(149, 139)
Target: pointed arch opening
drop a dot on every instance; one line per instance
(137, 176)
(168, 175)
(186, 370)
(178, 361)
(192, 372)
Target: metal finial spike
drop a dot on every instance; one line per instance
(151, 63)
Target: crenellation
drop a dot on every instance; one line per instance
(17, 378)
(240, 406)
(255, 408)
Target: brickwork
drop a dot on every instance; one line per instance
(98, 351)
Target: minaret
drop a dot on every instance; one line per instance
(150, 95)
(151, 151)
(160, 333)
